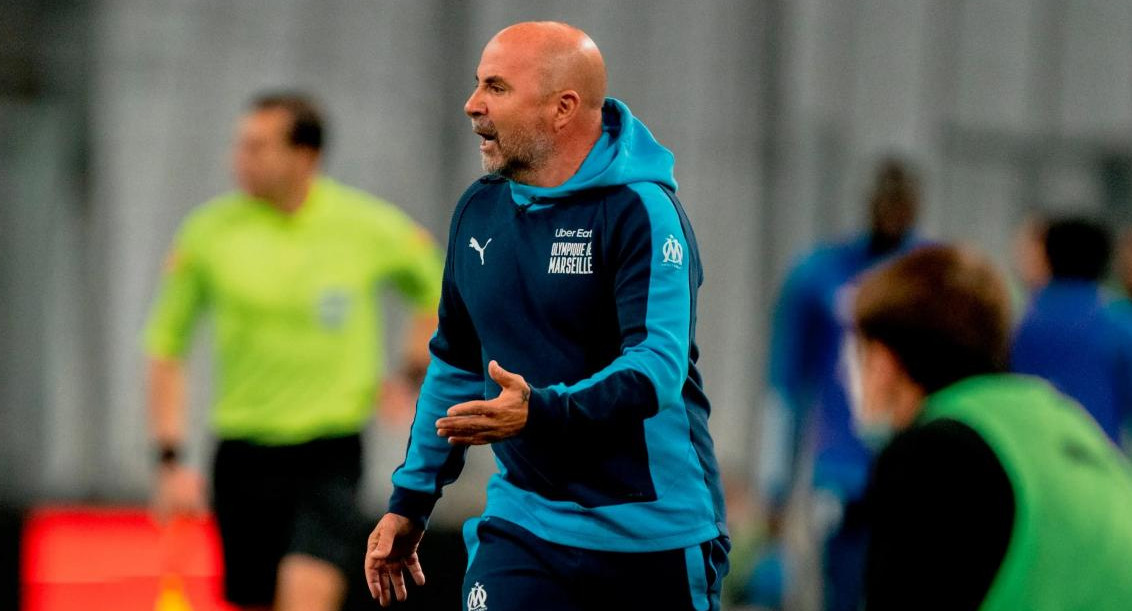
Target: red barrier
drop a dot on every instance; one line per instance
(118, 559)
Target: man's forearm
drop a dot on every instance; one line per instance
(167, 403)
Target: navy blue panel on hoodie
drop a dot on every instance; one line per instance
(588, 290)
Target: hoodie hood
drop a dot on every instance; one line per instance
(626, 153)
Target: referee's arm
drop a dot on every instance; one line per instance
(417, 276)
(180, 300)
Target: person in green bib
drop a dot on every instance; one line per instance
(991, 491)
(290, 268)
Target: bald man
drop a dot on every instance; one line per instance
(567, 342)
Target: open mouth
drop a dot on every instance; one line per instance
(485, 131)
(487, 141)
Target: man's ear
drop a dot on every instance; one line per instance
(567, 107)
(905, 394)
(888, 367)
(312, 159)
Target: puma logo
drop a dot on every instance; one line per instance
(473, 243)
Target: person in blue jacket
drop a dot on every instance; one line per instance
(1122, 305)
(566, 340)
(1070, 334)
(809, 324)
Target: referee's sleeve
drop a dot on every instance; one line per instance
(180, 299)
(418, 265)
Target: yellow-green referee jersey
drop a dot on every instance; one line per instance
(296, 305)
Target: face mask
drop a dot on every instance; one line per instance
(875, 434)
(874, 431)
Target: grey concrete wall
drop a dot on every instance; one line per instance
(775, 109)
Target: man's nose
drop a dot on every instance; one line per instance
(474, 106)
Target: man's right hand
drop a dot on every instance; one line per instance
(392, 550)
(179, 491)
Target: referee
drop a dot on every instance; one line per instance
(290, 268)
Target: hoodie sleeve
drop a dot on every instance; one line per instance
(654, 252)
(454, 375)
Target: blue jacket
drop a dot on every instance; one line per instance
(588, 290)
(1071, 338)
(810, 321)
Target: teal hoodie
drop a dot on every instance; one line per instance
(626, 153)
(588, 290)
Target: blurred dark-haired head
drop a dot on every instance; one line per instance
(1077, 249)
(943, 312)
(893, 205)
(278, 145)
(307, 124)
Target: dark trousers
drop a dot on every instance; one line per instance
(510, 569)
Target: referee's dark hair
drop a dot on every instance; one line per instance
(308, 126)
(944, 312)
(1077, 249)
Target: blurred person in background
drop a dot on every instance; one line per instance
(1028, 251)
(1069, 335)
(573, 265)
(1122, 305)
(810, 319)
(290, 268)
(993, 491)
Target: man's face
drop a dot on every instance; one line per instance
(264, 162)
(892, 218)
(1029, 252)
(511, 111)
(874, 386)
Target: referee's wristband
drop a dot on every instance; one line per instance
(168, 455)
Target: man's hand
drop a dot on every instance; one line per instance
(179, 491)
(392, 549)
(482, 422)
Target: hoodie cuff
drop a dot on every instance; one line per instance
(546, 414)
(413, 504)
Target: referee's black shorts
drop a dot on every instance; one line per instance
(271, 501)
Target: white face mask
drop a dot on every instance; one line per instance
(876, 430)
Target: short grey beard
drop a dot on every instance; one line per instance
(525, 163)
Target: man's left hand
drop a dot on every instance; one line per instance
(482, 422)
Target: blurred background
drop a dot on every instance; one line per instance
(116, 119)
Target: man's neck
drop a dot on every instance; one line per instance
(566, 161)
(881, 244)
(291, 201)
